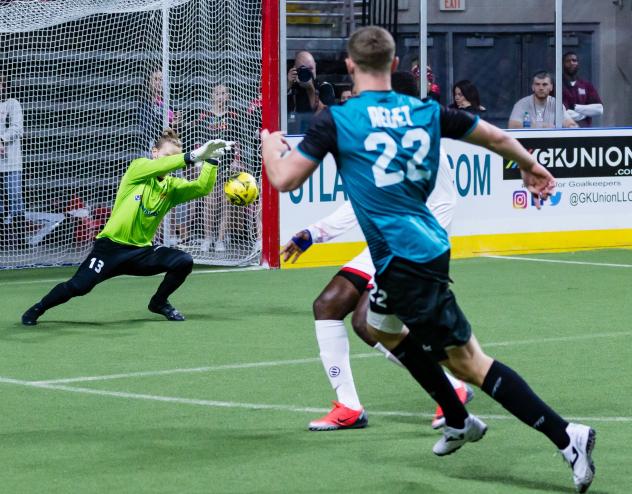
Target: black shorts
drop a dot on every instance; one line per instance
(108, 259)
(419, 296)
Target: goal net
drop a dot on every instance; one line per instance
(87, 85)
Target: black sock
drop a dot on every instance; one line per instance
(58, 295)
(510, 390)
(429, 374)
(171, 282)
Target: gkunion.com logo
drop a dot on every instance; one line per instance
(572, 157)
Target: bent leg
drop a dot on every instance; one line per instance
(159, 259)
(508, 388)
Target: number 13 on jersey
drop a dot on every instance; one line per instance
(414, 172)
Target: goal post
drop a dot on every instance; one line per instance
(85, 87)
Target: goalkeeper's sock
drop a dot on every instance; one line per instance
(334, 353)
(60, 294)
(173, 279)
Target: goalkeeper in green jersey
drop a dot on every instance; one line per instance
(146, 193)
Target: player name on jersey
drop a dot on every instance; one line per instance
(389, 117)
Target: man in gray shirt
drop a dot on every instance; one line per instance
(540, 106)
(11, 130)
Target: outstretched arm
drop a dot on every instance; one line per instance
(286, 169)
(185, 190)
(340, 221)
(536, 178)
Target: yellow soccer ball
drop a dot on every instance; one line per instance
(241, 189)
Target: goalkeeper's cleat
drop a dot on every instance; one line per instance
(465, 394)
(340, 417)
(167, 310)
(30, 317)
(578, 455)
(453, 438)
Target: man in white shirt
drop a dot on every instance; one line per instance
(538, 109)
(11, 130)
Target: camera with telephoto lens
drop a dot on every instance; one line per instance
(304, 74)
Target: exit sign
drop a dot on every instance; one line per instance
(451, 4)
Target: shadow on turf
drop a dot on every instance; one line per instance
(49, 328)
(505, 479)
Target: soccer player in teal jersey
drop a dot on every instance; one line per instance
(146, 193)
(386, 146)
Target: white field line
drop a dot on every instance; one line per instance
(279, 363)
(194, 272)
(558, 261)
(258, 406)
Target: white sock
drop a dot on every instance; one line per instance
(456, 383)
(387, 354)
(334, 353)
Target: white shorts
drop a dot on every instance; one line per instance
(361, 265)
(387, 323)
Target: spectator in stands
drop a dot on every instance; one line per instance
(221, 121)
(151, 114)
(466, 98)
(345, 95)
(579, 96)
(11, 131)
(303, 99)
(152, 123)
(538, 109)
(433, 90)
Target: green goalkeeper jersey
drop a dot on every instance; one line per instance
(143, 200)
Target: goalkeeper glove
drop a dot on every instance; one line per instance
(211, 150)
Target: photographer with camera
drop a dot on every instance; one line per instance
(305, 97)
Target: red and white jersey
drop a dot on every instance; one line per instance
(441, 203)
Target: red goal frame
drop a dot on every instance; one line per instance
(270, 91)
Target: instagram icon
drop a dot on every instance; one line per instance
(520, 199)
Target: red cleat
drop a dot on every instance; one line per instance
(340, 417)
(465, 394)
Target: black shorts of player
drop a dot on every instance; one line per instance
(420, 296)
(108, 259)
(358, 281)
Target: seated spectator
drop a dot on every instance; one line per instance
(432, 90)
(466, 98)
(303, 100)
(579, 96)
(538, 109)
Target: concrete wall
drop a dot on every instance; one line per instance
(613, 42)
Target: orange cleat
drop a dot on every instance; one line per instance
(465, 394)
(340, 417)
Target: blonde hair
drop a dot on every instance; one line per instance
(372, 49)
(168, 135)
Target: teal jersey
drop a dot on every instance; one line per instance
(386, 146)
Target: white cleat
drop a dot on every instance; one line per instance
(453, 438)
(578, 455)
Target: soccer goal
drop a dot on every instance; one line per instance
(96, 81)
